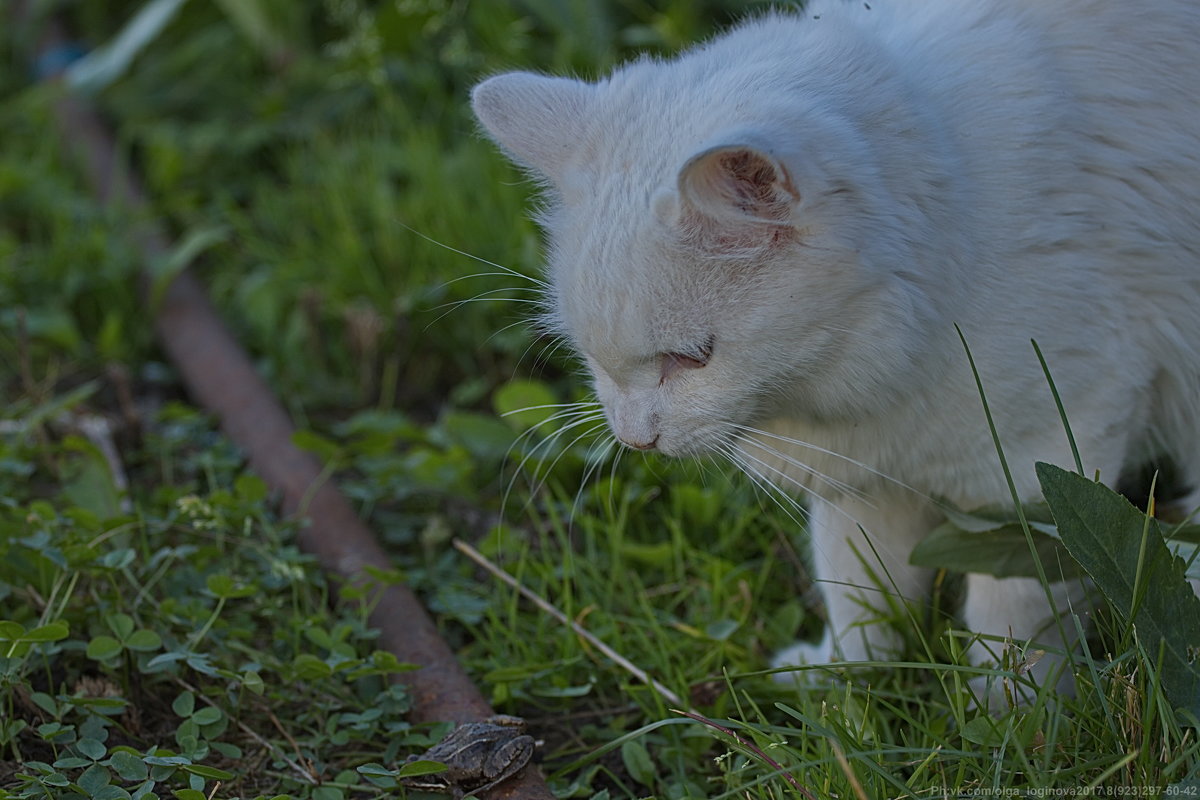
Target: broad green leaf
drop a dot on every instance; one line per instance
(209, 772)
(322, 447)
(637, 760)
(250, 488)
(226, 587)
(721, 629)
(415, 768)
(94, 779)
(88, 480)
(11, 631)
(52, 632)
(53, 325)
(382, 771)
(1003, 552)
(167, 658)
(10, 728)
(118, 559)
(1104, 533)
(184, 704)
(983, 730)
(1184, 533)
(207, 715)
(387, 662)
(103, 647)
(253, 681)
(45, 702)
(992, 518)
(145, 791)
(230, 751)
(309, 667)
(56, 779)
(120, 624)
(91, 748)
(1190, 553)
(129, 766)
(189, 794)
(143, 640)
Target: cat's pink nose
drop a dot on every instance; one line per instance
(641, 445)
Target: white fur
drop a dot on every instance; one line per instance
(826, 196)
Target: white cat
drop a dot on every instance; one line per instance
(762, 248)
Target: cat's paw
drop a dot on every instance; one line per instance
(999, 693)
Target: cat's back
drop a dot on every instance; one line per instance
(1096, 102)
(1134, 73)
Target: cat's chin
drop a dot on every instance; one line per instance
(692, 444)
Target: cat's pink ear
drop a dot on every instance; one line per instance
(535, 118)
(738, 183)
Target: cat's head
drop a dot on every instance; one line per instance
(706, 264)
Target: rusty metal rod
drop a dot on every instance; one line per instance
(220, 376)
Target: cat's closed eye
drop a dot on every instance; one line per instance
(695, 359)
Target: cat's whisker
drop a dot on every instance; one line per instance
(783, 500)
(478, 275)
(760, 470)
(746, 429)
(503, 269)
(579, 404)
(510, 326)
(612, 474)
(565, 414)
(570, 411)
(542, 471)
(488, 296)
(571, 416)
(545, 475)
(605, 446)
(480, 298)
(833, 483)
(556, 344)
(782, 493)
(543, 357)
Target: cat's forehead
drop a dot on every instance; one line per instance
(607, 286)
(625, 288)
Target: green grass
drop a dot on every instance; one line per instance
(305, 190)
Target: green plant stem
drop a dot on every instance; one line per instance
(200, 634)
(1012, 488)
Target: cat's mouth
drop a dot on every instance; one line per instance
(707, 439)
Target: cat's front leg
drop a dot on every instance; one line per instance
(1019, 609)
(860, 551)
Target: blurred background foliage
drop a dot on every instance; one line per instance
(308, 151)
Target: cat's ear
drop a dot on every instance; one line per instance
(738, 183)
(535, 118)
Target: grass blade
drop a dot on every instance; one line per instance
(1122, 549)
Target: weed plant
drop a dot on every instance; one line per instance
(162, 635)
